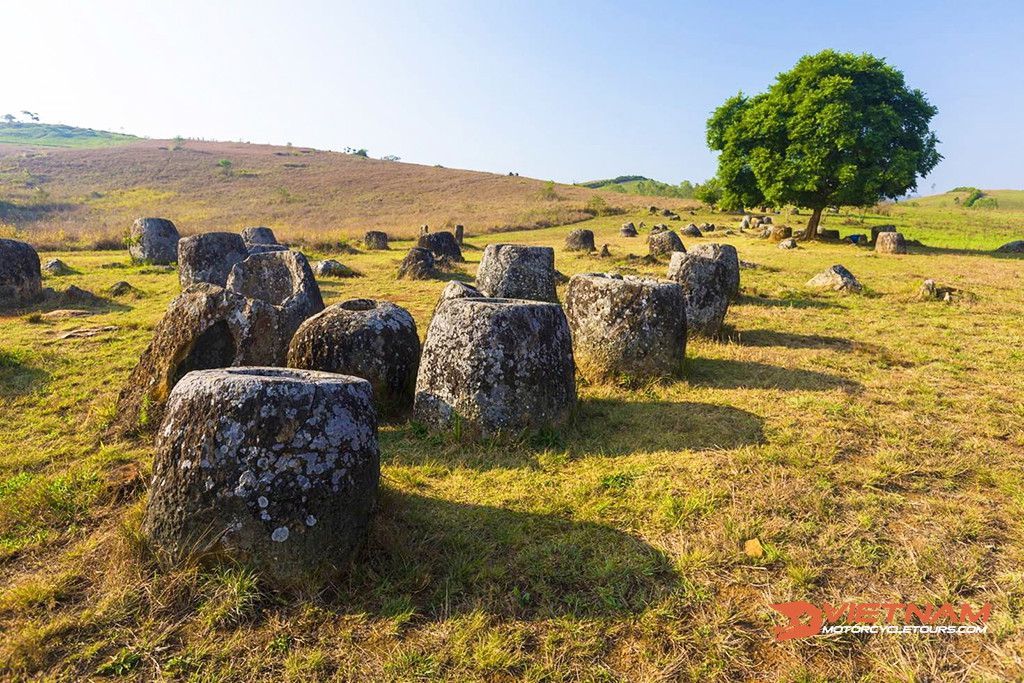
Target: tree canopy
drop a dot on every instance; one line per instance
(837, 129)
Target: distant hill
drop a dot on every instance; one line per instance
(51, 135)
(85, 197)
(973, 198)
(641, 185)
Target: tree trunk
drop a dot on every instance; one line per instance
(811, 233)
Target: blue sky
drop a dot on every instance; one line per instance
(569, 91)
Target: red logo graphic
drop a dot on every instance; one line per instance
(796, 628)
(875, 617)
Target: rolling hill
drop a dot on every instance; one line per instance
(57, 135)
(77, 198)
(641, 185)
(1007, 200)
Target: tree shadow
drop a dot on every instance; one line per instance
(18, 376)
(441, 558)
(733, 374)
(791, 340)
(747, 300)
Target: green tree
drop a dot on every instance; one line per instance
(709, 192)
(838, 129)
(686, 189)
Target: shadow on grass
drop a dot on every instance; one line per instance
(60, 300)
(447, 275)
(442, 558)
(603, 427)
(733, 374)
(18, 374)
(746, 300)
(791, 340)
(947, 251)
(616, 427)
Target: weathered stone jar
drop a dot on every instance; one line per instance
(514, 271)
(418, 264)
(493, 366)
(375, 340)
(281, 278)
(209, 257)
(441, 245)
(258, 235)
(375, 239)
(890, 243)
(458, 290)
(727, 254)
(21, 278)
(154, 241)
(626, 325)
(876, 229)
(664, 243)
(205, 327)
(580, 240)
(707, 286)
(272, 467)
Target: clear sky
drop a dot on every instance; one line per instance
(564, 90)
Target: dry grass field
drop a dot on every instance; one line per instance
(87, 198)
(871, 443)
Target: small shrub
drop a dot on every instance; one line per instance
(973, 197)
(548, 191)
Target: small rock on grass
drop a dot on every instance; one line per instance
(56, 267)
(123, 288)
(837, 278)
(333, 269)
(753, 548)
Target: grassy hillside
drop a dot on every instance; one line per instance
(54, 135)
(635, 184)
(70, 198)
(941, 221)
(870, 443)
